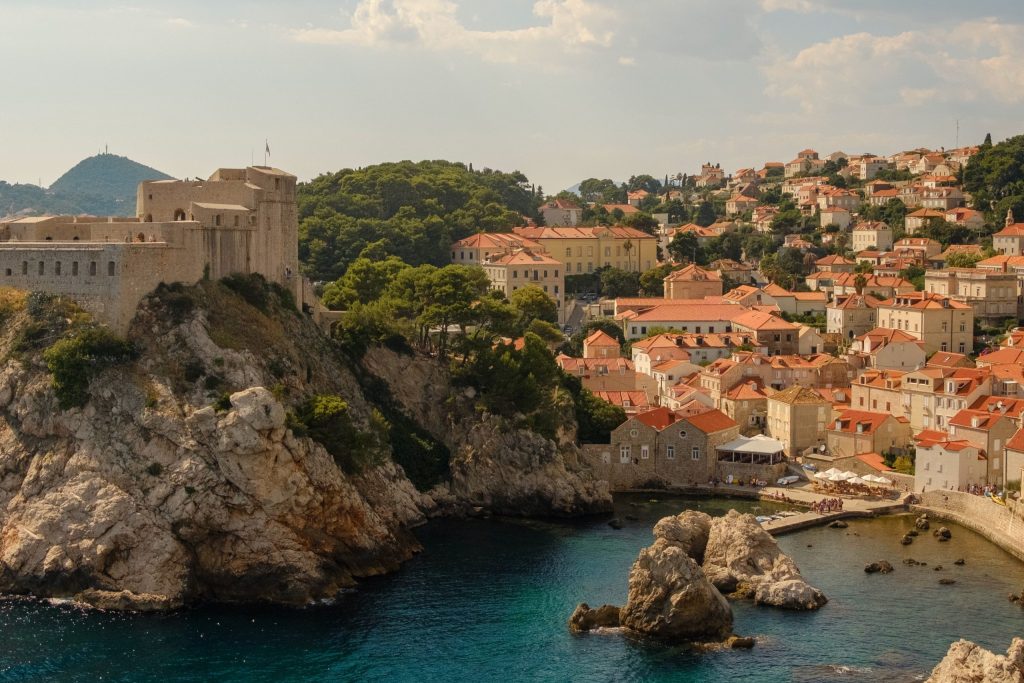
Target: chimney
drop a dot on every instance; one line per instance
(975, 421)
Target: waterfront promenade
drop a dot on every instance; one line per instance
(852, 507)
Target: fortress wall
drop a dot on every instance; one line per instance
(108, 280)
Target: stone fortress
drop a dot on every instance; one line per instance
(238, 221)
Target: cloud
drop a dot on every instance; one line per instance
(566, 26)
(179, 22)
(974, 60)
(801, 6)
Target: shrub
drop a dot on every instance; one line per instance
(252, 288)
(75, 360)
(327, 420)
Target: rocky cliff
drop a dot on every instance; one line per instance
(181, 479)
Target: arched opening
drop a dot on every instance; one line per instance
(75, 238)
(179, 214)
(141, 237)
(149, 218)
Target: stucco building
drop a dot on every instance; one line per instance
(942, 323)
(585, 249)
(798, 417)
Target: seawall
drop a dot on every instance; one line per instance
(1003, 526)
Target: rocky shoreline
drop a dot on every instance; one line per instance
(181, 480)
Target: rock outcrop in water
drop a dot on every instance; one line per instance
(669, 596)
(180, 479)
(969, 663)
(676, 585)
(743, 560)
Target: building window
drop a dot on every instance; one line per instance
(682, 433)
(670, 452)
(568, 251)
(110, 268)
(962, 347)
(92, 267)
(74, 267)
(56, 268)
(216, 220)
(695, 453)
(633, 433)
(624, 453)
(645, 452)
(944, 346)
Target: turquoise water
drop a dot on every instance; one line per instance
(488, 601)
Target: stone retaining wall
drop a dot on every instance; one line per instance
(1004, 526)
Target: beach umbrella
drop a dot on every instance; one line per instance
(856, 480)
(870, 477)
(821, 475)
(830, 471)
(837, 477)
(883, 480)
(849, 475)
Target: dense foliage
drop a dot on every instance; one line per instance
(995, 178)
(325, 418)
(412, 210)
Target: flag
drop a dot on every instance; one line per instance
(268, 146)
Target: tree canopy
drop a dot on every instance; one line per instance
(995, 178)
(413, 210)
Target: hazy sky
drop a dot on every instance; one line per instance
(559, 89)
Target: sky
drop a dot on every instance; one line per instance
(561, 90)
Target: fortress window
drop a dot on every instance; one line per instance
(56, 268)
(216, 220)
(24, 267)
(179, 214)
(236, 221)
(92, 267)
(110, 268)
(75, 238)
(42, 268)
(49, 239)
(74, 267)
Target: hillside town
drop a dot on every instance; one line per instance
(879, 338)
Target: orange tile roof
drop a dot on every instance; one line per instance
(496, 240)
(868, 422)
(657, 418)
(875, 461)
(967, 416)
(711, 421)
(693, 273)
(759, 320)
(617, 232)
(601, 338)
(673, 312)
(1016, 442)
(1003, 356)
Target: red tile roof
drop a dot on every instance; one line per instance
(657, 418)
(711, 421)
(875, 461)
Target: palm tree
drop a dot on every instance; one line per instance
(628, 246)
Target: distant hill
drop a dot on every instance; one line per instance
(104, 184)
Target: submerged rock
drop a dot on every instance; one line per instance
(907, 539)
(880, 567)
(942, 533)
(922, 522)
(966, 662)
(615, 523)
(838, 524)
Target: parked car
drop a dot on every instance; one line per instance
(786, 481)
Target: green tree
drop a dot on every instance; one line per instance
(617, 283)
(705, 214)
(652, 282)
(963, 259)
(363, 282)
(685, 247)
(532, 303)
(596, 418)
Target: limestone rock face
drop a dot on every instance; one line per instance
(159, 493)
(968, 663)
(150, 512)
(669, 596)
(494, 465)
(742, 558)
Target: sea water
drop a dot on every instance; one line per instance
(488, 600)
